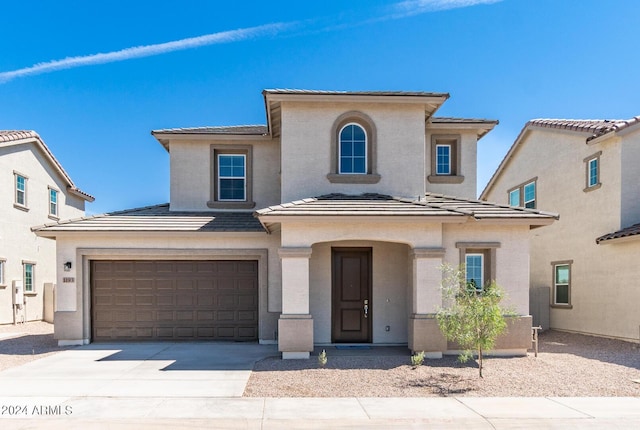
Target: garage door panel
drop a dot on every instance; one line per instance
(174, 300)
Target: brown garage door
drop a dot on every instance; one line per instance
(156, 300)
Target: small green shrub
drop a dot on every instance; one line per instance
(322, 358)
(417, 359)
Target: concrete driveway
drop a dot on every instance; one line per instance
(155, 369)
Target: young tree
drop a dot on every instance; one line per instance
(472, 317)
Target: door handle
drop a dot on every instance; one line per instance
(366, 308)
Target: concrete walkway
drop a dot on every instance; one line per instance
(199, 385)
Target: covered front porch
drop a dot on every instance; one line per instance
(359, 292)
(367, 269)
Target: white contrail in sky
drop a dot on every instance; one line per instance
(399, 10)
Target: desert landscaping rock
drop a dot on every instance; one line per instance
(567, 365)
(22, 343)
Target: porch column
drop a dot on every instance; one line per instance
(295, 326)
(424, 333)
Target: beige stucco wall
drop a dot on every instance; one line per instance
(468, 164)
(604, 296)
(190, 169)
(630, 180)
(390, 290)
(17, 242)
(512, 257)
(306, 149)
(73, 299)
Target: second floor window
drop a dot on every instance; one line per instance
(53, 202)
(443, 159)
(353, 149)
(593, 172)
(231, 177)
(524, 195)
(21, 190)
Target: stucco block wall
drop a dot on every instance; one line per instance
(604, 298)
(72, 298)
(191, 168)
(468, 164)
(306, 149)
(390, 287)
(17, 242)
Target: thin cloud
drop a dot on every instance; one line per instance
(149, 50)
(399, 10)
(416, 7)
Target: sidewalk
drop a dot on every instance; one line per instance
(325, 413)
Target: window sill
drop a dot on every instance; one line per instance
(30, 293)
(347, 178)
(230, 205)
(593, 188)
(54, 218)
(445, 179)
(3, 286)
(562, 306)
(21, 207)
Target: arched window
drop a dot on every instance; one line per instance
(353, 149)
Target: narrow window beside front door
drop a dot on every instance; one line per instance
(474, 266)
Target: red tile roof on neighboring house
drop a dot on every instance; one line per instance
(10, 136)
(597, 127)
(634, 230)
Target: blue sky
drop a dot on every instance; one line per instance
(193, 63)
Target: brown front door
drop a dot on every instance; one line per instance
(351, 295)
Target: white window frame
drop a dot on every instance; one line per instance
(524, 195)
(597, 171)
(515, 193)
(2, 271)
(17, 191)
(449, 152)
(466, 274)
(54, 204)
(556, 283)
(29, 288)
(244, 177)
(521, 190)
(366, 150)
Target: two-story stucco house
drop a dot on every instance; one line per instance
(588, 172)
(34, 189)
(328, 225)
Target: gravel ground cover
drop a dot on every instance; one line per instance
(567, 365)
(22, 343)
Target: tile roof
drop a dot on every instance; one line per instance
(454, 120)
(237, 129)
(597, 127)
(159, 218)
(634, 230)
(15, 135)
(431, 205)
(354, 93)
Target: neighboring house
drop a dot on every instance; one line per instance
(588, 171)
(34, 188)
(328, 225)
